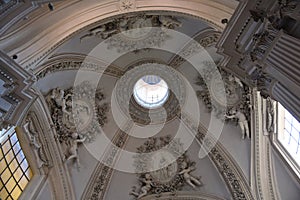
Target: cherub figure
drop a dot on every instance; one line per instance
(191, 180)
(243, 123)
(147, 185)
(73, 148)
(169, 22)
(67, 111)
(32, 136)
(93, 32)
(58, 96)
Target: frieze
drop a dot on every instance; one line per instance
(69, 64)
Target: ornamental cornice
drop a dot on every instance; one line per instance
(67, 62)
(51, 29)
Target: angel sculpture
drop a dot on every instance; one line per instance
(147, 185)
(242, 122)
(189, 179)
(33, 141)
(73, 148)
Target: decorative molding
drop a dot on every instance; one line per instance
(181, 195)
(5, 7)
(90, 14)
(76, 62)
(16, 93)
(56, 169)
(262, 165)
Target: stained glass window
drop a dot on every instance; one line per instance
(15, 172)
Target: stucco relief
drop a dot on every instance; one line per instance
(77, 116)
(169, 177)
(34, 141)
(237, 184)
(270, 118)
(236, 105)
(70, 63)
(133, 33)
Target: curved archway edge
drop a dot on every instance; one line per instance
(44, 33)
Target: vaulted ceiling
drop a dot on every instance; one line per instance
(95, 52)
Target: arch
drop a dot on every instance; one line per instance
(51, 29)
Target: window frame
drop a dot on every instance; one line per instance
(283, 152)
(13, 166)
(38, 178)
